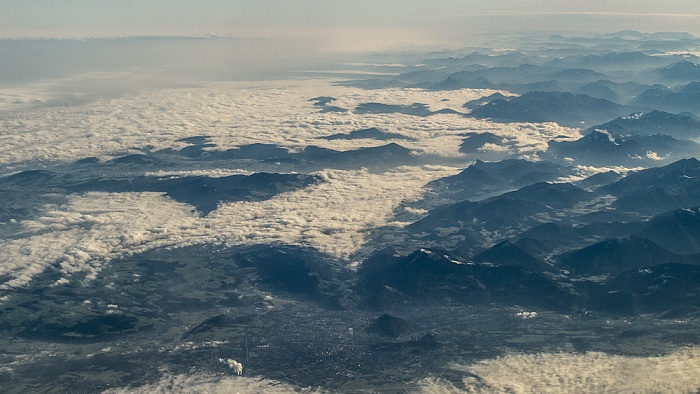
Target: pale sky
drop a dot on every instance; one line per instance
(81, 18)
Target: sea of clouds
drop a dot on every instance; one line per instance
(240, 113)
(335, 216)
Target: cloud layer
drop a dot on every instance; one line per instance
(578, 373)
(236, 114)
(211, 384)
(335, 216)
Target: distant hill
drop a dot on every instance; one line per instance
(654, 122)
(415, 109)
(677, 230)
(494, 214)
(657, 190)
(507, 253)
(562, 107)
(431, 276)
(475, 142)
(251, 152)
(599, 91)
(484, 100)
(616, 255)
(667, 100)
(554, 195)
(611, 60)
(312, 158)
(671, 289)
(483, 178)
(204, 193)
(370, 133)
(682, 71)
(522, 172)
(600, 147)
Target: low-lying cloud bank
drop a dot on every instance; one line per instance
(236, 114)
(578, 373)
(334, 216)
(212, 384)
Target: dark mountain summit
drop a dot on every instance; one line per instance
(554, 195)
(507, 253)
(667, 100)
(657, 190)
(683, 70)
(430, 276)
(616, 255)
(205, 193)
(681, 172)
(677, 230)
(514, 170)
(562, 107)
(415, 109)
(654, 122)
(600, 148)
(371, 133)
(475, 142)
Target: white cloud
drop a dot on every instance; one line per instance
(213, 173)
(90, 229)
(578, 373)
(334, 216)
(654, 156)
(583, 172)
(239, 113)
(212, 384)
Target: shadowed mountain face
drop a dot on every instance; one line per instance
(682, 71)
(665, 288)
(371, 133)
(664, 99)
(483, 179)
(204, 193)
(431, 276)
(656, 190)
(561, 107)
(617, 255)
(678, 230)
(554, 195)
(654, 122)
(480, 102)
(523, 172)
(510, 254)
(601, 148)
(476, 143)
(251, 152)
(415, 109)
(682, 172)
(497, 213)
(308, 159)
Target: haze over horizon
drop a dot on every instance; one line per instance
(334, 26)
